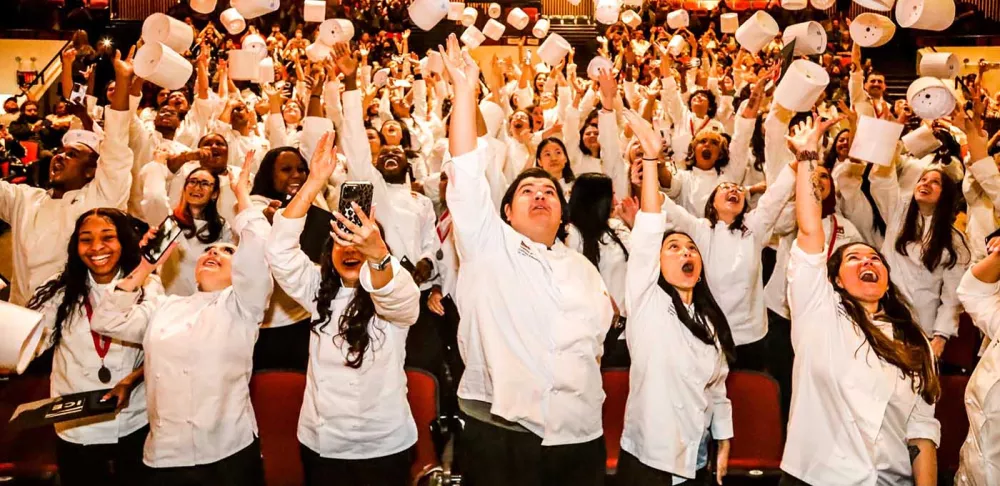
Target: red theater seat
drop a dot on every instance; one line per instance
(758, 439)
(25, 454)
(277, 399)
(616, 393)
(950, 411)
(422, 393)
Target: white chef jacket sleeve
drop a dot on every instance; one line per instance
(252, 282)
(611, 153)
(110, 187)
(125, 315)
(678, 218)
(762, 219)
(722, 407)
(295, 273)
(155, 202)
(399, 300)
(359, 155)
(946, 321)
(921, 423)
(478, 227)
(274, 129)
(643, 267)
(776, 152)
(9, 194)
(429, 242)
(670, 98)
(811, 299)
(739, 147)
(985, 172)
(981, 301)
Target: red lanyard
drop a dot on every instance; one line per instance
(703, 124)
(101, 343)
(444, 225)
(878, 112)
(833, 236)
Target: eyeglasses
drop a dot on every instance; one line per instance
(200, 184)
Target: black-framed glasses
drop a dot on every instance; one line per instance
(199, 183)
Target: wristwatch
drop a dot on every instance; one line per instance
(382, 265)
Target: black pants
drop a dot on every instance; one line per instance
(493, 456)
(632, 472)
(392, 470)
(283, 348)
(782, 357)
(243, 468)
(106, 464)
(754, 356)
(789, 480)
(616, 350)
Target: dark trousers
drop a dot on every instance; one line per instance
(391, 470)
(789, 480)
(432, 345)
(283, 348)
(615, 350)
(493, 456)
(105, 464)
(243, 468)
(754, 356)
(632, 472)
(782, 357)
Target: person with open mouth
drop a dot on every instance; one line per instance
(199, 352)
(680, 345)
(594, 145)
(865, 376)
(355, 425)
(534, 315)
(106, 450)
(927, 254)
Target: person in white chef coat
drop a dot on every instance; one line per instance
(85, 174)
(102, 249)
(864, 379)
(355, 426)
(534, 316)
(199, 352)
(979, 291)
(680, 344)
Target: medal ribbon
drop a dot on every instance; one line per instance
(101, 343)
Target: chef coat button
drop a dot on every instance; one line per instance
(185, 371)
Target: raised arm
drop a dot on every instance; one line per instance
(804, 141)
(110, 187)
(252, 283)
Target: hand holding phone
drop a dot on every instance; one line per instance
(359, 192)
(157, 241)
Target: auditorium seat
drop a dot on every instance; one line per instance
(758, 439)
(277, 399)
(25, 454)
(960, 354)
(616, 393)
(30, 152)
(422, 393)
(950, 411)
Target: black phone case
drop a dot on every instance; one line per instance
(363, 199)
(155, 243)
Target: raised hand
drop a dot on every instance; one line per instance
(324, 159)
(68, 56)
(608, 88)
(344, 59)
(366, 237)
(804, 137)
(241, 185)
(651, 142)
(123, 67)
(462, 69)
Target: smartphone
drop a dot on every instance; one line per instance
(79, 94)
(165, 235)
(359, 192)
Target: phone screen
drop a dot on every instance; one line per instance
(165, 235)
(79, 94)
(359, 192)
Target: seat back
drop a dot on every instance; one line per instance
(422, 394)
(277, 399)
(758, 438)
(30, 152)
(30, 453)
(950, 411)
(613, 414)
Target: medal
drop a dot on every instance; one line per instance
(104, 374)
(101, 345)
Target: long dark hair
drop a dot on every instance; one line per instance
(214, 224)
(583, 128)
(908, 350)
(536, 172)
(590, 207)
(831, 155)
(706, 310)
(757, 145)
(263, 182)
(567, 172)
(941, 228)
(352, 325)
(74, 281)
(712, 214)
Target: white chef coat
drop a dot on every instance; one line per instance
(981, 188)
(686, 124)
(533, 318)
(613, 258)
(350, 413)
(75, 366)
(852, 203)
(852, 412)
(177, 271)
(145, 143)
(732, 258)
(775, 292)
(204, 115)
(447, 262)
(42, 226)
(932, 294)
(677, 383)
(690, 188)
(226, 203)
(408, 217)
(979, 459)
(199, 356)
(610, 163)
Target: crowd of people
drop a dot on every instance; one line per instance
(528, 227)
